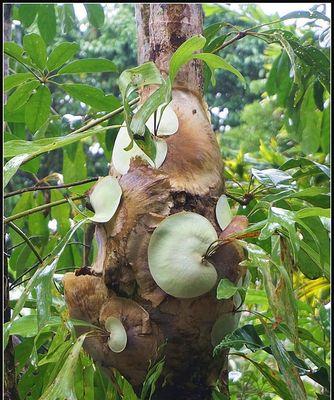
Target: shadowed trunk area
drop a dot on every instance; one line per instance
(119, 283)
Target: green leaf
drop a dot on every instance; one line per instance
(318, 91)
(286, 366)
(305, 162)
(283, 81)
(27, 14)
(91, 96)
(21, 95)
(38, 108)
(14, 116)
(184, 54)
(68, 18)
(215, 44)
(313, 212)
(149, 384)
(88, 65)
(313, 57)
(46, 21)
(25, 326)
(147, 109)
(41, 281)
(22, 150)
(14, 80)
(274, 379)
(244, 336)
(36, 147)
(305, 14)
(213, 61)
(147, 144)
(325, 130)
(60, 54)
(271, 84)
(15, 51)
(271, 176)
(63, 386)
(226, 289)
(34, 45)
(210, 31)
(134, 78)
(95, 14)
(279, 217)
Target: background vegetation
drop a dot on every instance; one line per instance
(274, 138)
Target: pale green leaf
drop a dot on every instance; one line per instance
(21, 95)
(184, 54)
(60, 54)
(38, 108)
(46, 21)
(15, 80)
(95, 14)
(88, 65)
(214, 62)
(34, 45)
(91, 96)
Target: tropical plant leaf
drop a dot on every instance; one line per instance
(34, 45)
(61, 54)
(88, 65)
(38, 108)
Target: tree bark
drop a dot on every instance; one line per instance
(119, 283)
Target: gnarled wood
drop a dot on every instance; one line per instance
(190, 179)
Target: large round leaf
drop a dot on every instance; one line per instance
(175, 255)
(121, 158)
(104, 197)
(118, 337)
(223, 212)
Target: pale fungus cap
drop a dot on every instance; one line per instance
(223, 212)
(104, 197)
(118, 338)
(176, 255)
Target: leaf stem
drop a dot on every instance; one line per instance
(238, 36)
(29, 69)
(26, 239)
(39, 208)
(35, 188)
(247, 198)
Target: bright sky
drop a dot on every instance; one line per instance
(268, 8)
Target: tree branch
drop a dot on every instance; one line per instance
(26, 239)
(39, 208)
(35, 188)
(239, 36)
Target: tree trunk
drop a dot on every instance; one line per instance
(119, 283)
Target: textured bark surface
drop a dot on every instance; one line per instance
(119, 283)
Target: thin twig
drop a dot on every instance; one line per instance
(17, 283)
(239, 36)
(35, 188)
(26, 239)
(30, 70)
(104, 118)
(40, 208)
(243, 201)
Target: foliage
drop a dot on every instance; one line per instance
(282, 345)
